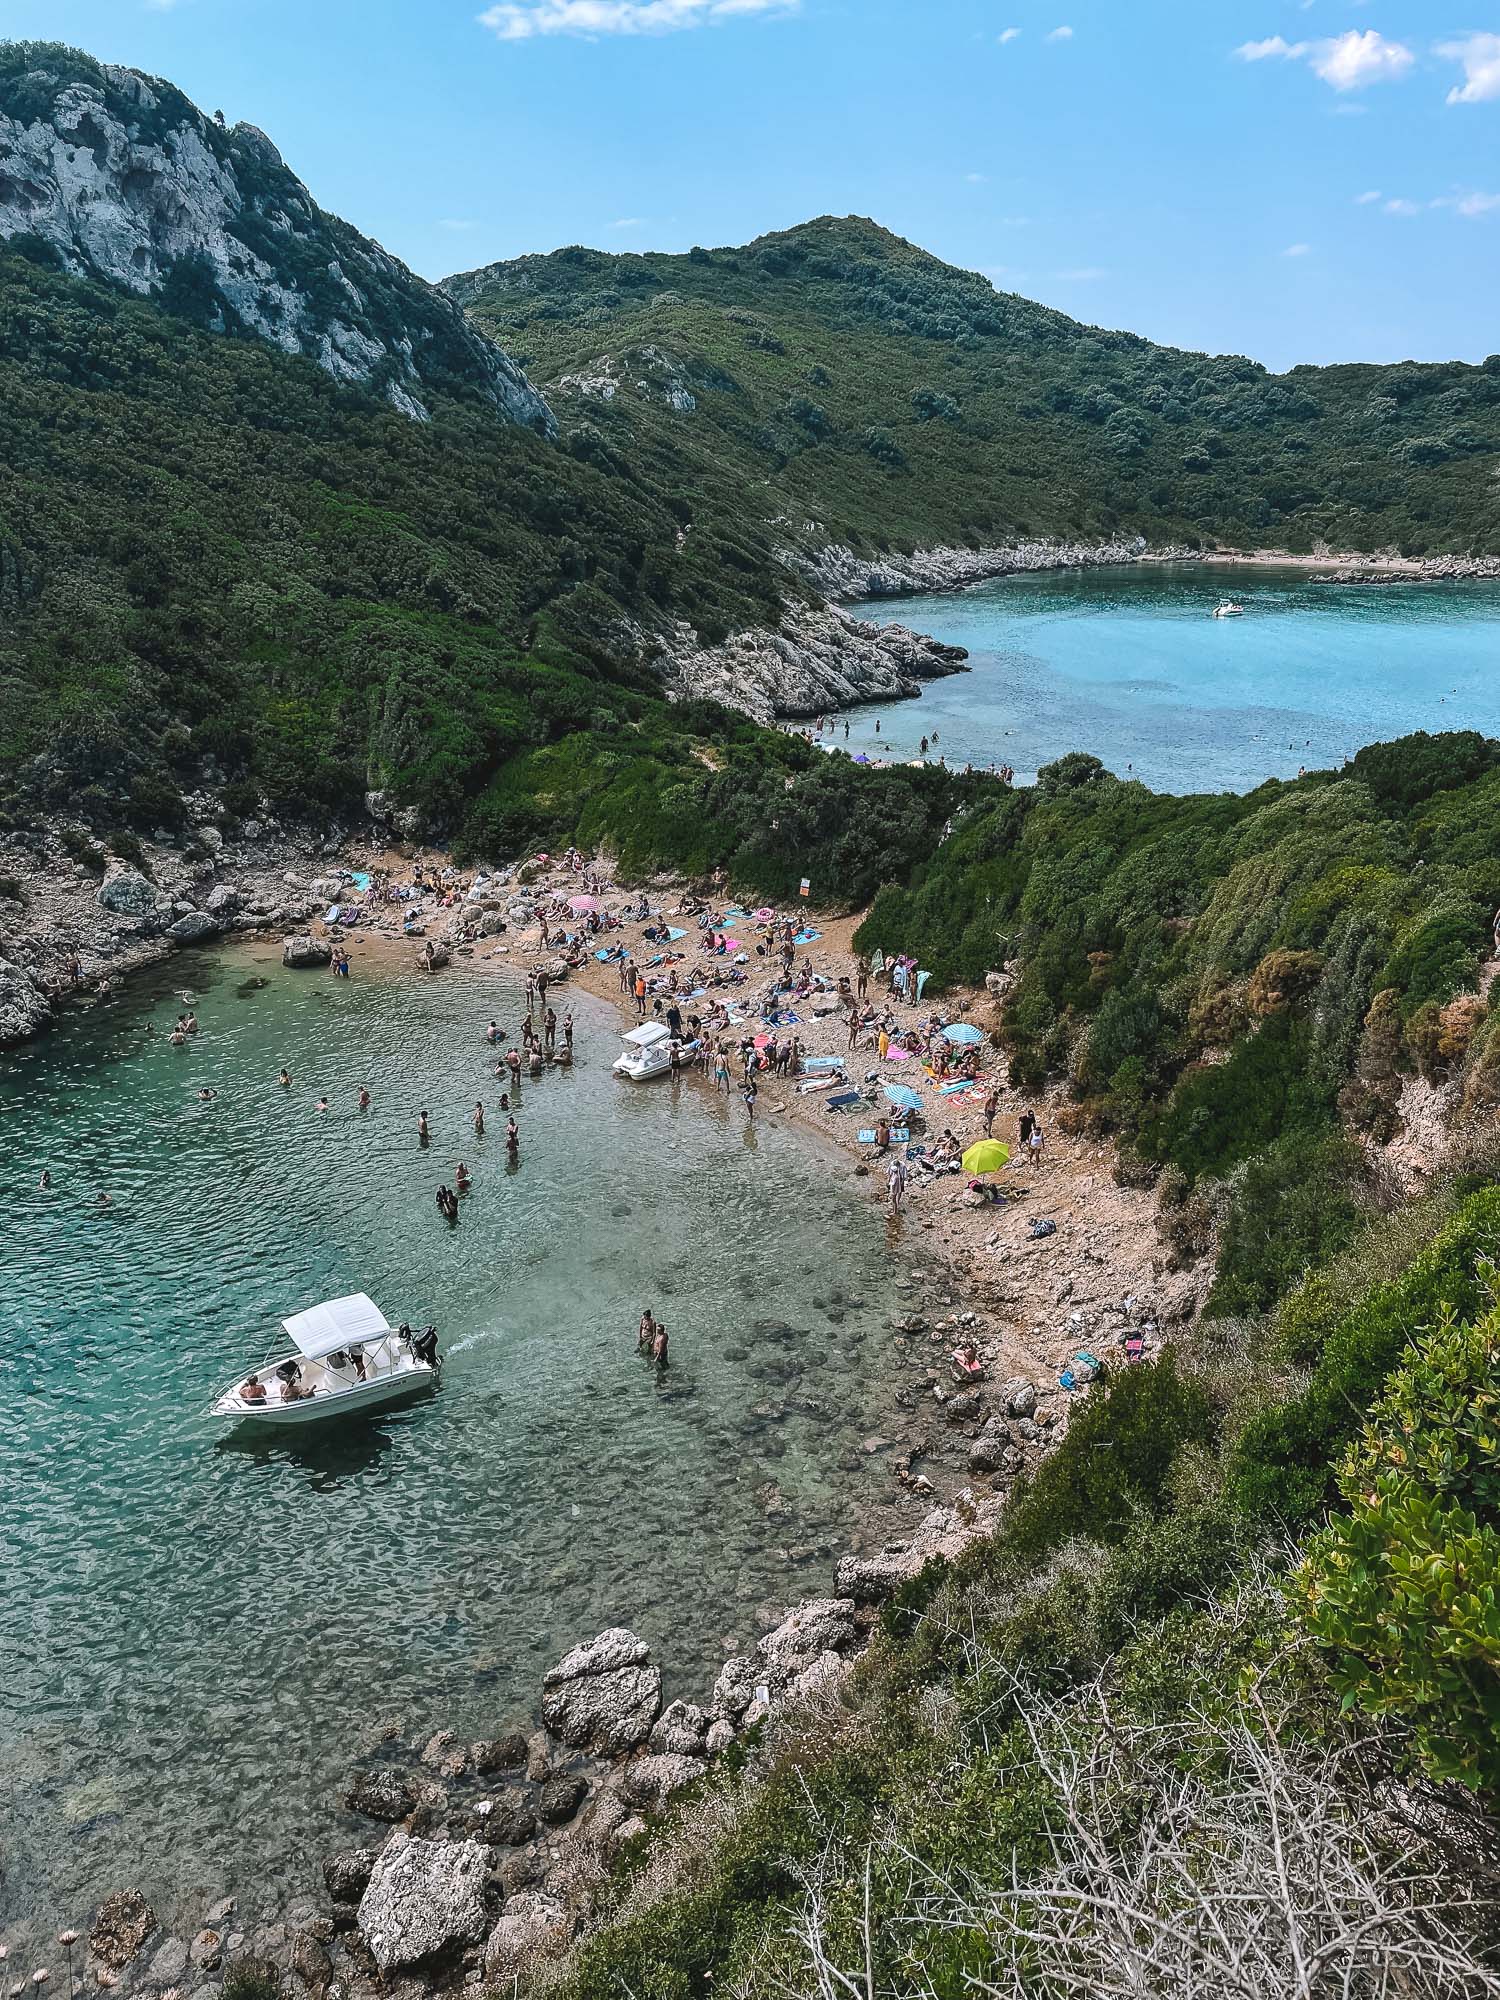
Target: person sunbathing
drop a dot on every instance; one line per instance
(967, 1366)
(252, 1390)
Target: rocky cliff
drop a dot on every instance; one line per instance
(841, 574)
(116, 175)
(816, 660)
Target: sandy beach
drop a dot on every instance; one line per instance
(1036, 1300)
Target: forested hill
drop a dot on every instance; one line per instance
(864, 391)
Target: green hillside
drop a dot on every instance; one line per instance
(859, 389)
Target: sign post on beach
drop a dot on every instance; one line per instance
(806, 887)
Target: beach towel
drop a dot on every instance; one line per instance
(922, 979)
(604, 956)
(674, 935)
(823, 1062)
(816, 1083)
(960, 1089)
(844, 1097)
(806, 937)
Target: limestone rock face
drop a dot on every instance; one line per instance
(604, 1695)
(193, 927)
(124, 179)
(819, 658)
(306, 951)
(425, 1899)
(528, 1923)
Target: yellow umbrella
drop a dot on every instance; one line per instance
(986, 1156)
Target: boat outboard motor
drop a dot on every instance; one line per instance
(424, 1345)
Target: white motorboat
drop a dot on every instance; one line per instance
(349, 1360)
(1229, 610)
(647, 1052)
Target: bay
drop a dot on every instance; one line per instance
(1129, 665)
(203, 1632)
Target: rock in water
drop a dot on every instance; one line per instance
(23, 1006)
(306, 951)
(192, 928)
(122, 1924)
(425, 1899)
(604, 1695)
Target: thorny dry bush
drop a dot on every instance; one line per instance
(1208, 1857)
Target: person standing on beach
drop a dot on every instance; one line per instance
(646, 1333)
(549, 1028)
(991, 1106)
(627, 973)
(568, 1031)
(1034, 1145)
(749, 1092)
(1024, 1124)
(895, 1175)
(659, 1345)
(640, 995)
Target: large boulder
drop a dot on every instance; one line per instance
(23, 1006)
(993, 1450)
(302, 952)
(347, 1874)
(822, 1625)
(223, 901)
(1019, 1396)
(680, 1729)
(735, 1688)
(604, 1695)
(122, 1924)
(193, 927)
(125, 892)
(425, 1900)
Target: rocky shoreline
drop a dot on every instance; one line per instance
(842, 576)
(1425, 569)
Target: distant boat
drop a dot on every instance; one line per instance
(352, 1361)
(1229, 610)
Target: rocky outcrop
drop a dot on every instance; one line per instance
(120, 177)
(193, 927)
(529, 1923)
(604, 1695)
(818, 659)
(839, 573)
(24, 1008)
(425, 1900)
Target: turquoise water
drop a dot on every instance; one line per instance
(1129, 665)
(202, 1631)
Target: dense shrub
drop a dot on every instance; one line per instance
(1404, 1587)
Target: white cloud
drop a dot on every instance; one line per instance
(524, 20)
(1364, 200)
(1061, 35)
(1471, 206)
(1297, 250)
(455, 222)
(1480, 56)
(1351, 61)
(976, 180)
(1399, 205)
(1007, 35)
(629, 222)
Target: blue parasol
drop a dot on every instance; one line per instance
(898, 1094)
(962, 1031)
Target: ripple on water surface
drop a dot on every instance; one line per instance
(201, 1631)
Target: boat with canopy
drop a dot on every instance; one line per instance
(348, 1360)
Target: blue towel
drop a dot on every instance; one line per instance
(806, 937)
(673, 936)
(603, 956)
(844, 1097)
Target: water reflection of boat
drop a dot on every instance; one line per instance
(352, 1361)
(1229, 610)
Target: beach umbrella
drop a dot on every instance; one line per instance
(961, 1031)
(861, 758)
(581, 905)
(986, 1156)
(902, 1098)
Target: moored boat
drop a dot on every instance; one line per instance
(348, 1361)
(647, 1052)
(1228, 609)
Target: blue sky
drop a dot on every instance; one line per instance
(1299, 182)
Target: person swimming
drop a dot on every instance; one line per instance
(285, 1079)
(321, 1105)
(462, 1180)
(364, 1097)
(206, 1096)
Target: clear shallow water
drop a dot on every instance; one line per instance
(201, 1632)
(1129, 665)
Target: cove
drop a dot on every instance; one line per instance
(1129, 665)
(205, 1631)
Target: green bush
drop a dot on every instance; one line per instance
(1281, 1468)
(1404, 1589)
